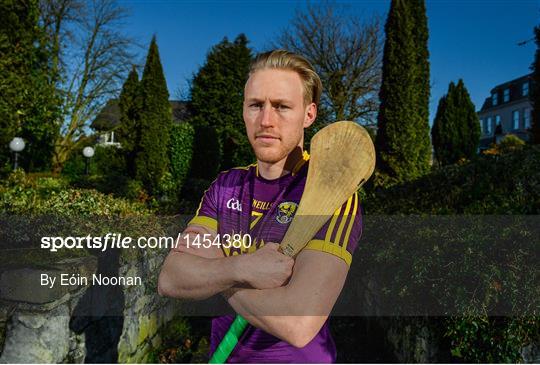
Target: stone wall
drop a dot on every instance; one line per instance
(78, 322)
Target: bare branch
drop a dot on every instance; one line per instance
(346, 52)
(93, 58)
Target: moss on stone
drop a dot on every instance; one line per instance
(148, 326)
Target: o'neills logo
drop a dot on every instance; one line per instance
(234, 204)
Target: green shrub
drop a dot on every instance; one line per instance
(20, 194)
(508, 184)
(184, 340)
(481, 262)
(510, 143)
(181, 151)
(74, 167)
(32, 207)
(482, 339)
(109, 160)
(167, 194)
(135, 191)
(107, 171)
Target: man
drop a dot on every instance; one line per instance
(286, 301)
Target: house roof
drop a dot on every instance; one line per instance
(109, 117)
(515, 92)
(513, 82)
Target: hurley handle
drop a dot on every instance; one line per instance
(230, 340)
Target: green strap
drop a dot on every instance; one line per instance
(227, 345)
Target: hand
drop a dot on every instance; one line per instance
(266, 268)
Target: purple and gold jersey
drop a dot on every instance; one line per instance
(241, 202)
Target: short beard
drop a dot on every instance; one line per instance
(277, 156)
(271, 158)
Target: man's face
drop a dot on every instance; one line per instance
(275, 113)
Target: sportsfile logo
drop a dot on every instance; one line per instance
(234, 204)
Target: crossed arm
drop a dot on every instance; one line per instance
(292, 310)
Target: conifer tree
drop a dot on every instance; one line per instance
(470, 124)
(129, 130)
(444, 133)
(217, 98)
(421, 35)
(402, 141)
(29, 104)
(456, 130)
(152, 160)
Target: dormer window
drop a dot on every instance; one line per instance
(506, 95)
(525, 88)
(494, 99)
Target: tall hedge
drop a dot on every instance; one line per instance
(181, 151)
(152, 160)
(402, 141)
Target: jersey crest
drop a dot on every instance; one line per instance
(285, 212)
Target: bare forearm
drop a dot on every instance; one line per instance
(273, 311)
(295, 312)
(193, 277)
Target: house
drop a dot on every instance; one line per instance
(108, 120)
(508, 110)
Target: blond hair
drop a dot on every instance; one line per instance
(285, 60)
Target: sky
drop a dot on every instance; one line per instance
(476, 40)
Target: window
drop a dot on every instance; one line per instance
(527, 118)
(497, 120)
(515, 118)
(525, 88)
(488, 127)
(494, 99)
(482, 129)
(506, 95)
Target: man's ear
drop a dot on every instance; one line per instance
(311, 114)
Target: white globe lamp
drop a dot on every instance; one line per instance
(87, 152)
(16, 145)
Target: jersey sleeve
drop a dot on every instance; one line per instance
(207, 213)
(339, 236)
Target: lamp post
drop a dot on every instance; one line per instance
(16, 145)
(87, 152)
